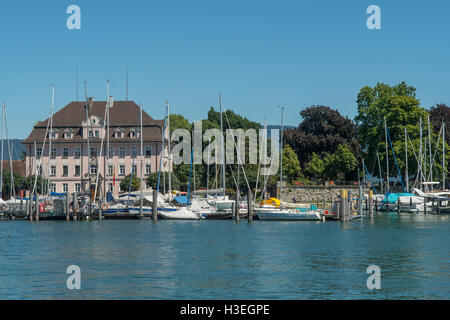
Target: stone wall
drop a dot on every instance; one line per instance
(305, 194)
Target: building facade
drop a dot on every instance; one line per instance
(73, 154)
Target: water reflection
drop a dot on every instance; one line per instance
(224, 260)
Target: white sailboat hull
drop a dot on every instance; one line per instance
(287, 215)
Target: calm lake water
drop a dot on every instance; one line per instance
(227, 260)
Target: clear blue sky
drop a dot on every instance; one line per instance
(259, 54)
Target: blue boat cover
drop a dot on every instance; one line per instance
(181, 199)
(393, 197)
(58, 194)
(109, 197)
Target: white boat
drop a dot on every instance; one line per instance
(267, 213)
(222, 203)
(183, 213)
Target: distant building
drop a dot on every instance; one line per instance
(69, 160)
(18, 166)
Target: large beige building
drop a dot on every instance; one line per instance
(68, 161)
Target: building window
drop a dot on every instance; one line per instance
(77, 171)
(65, 153)
(39, 152)
(39, 170)
(94, 169)
(77, 187)
(148, 169)
(110, 170)
(122, 170)
(68, 135)
(93, 152)
(90, 134)
(148, 152)
(111, 152)
(119, 134)
(122, 152)
(110, 187)
(97, 134)
(65, 187)
(133, 152)
(134, 169)
(77, 153)
(53, 153)
(65, 171)
(53, 187)
(53, 171)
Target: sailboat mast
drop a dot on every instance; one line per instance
(387, 156)
(420, 154)
(1, 163)
(281, 153)
(381, 175)
(170, 152)
(406, 162)
(443, 156)
(141, 133)
(50, 140)
(108, 155)
(11, 183)
(223, 142)
(429, 149)
(425, 163)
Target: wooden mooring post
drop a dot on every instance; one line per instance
(100, 209)
(344, 213)
(371, 204)
(66, 208)
(28, 208)
(249, 206)
(36, 207)
(238, 205)
(155, 206)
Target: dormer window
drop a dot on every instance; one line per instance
(119, 133)
(53, 134)
(68, 133)
(134, 133)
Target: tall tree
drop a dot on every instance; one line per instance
(291, 165)
(322, 131)
(399, 105)
(438, 114)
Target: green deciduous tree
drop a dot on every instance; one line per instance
(291, 165)
(315, 167)
(340, 164)
(321, 131)
(125, 183)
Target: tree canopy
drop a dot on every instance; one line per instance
(320, 133)
(125, 183)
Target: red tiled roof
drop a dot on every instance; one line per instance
(123, 114)
(17, 165)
